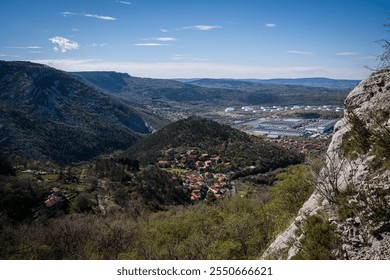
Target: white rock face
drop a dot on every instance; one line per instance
(364, 236)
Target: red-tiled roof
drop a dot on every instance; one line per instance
(52, 200)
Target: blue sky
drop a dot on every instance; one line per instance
(183, 38)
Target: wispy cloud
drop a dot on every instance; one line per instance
(203, 27)
(156, 44)
(165, 39)
(123, 2)
(99, 17)
(69, 14)
(270, 25)
(346, 53)
(299, 52)
(151, 45)
(75, 29)
(9, 55)
(101, 45)
(163, 30)
(370, 57)
(63, 44)
(24, 48)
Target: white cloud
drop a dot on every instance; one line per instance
(206, 69)
(63, 44)
(94, 45)
(159, 39)
(75, 29)
(270, 25)
(99, 17)
(165, 39)
(23, 48)
(299, 52)
(124, 2)
(9, 55)
(68, 14)
(346, 53)
(151, 45)
(203, 27)
(370, 57)
(163, 30)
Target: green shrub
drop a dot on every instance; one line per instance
(288, 194)
(358, 139)
(374, 140)
(319, 240)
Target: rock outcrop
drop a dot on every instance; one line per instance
(353, 187)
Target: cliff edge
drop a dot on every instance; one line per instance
(348, 215)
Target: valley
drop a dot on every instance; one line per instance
(103, 165)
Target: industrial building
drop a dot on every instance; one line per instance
(274, 128)
(322, 126)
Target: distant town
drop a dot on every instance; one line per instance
(284, 121)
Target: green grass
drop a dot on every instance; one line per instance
(179, 171)
(50, 177)
(80, 188)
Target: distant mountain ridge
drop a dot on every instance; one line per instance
(152, 92)
(207, 94)
(50, 114)
(310, 82)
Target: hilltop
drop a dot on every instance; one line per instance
(207, 136)
(50, 114)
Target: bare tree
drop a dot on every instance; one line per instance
(328, 177)
(385, 56)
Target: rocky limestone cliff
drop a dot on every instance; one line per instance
(353, 187)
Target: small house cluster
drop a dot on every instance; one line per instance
(206, 185)
(191, 160)
(202, 179)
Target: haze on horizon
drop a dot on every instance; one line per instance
(198, 39)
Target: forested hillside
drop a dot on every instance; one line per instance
(207, 136)
(49, 114)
